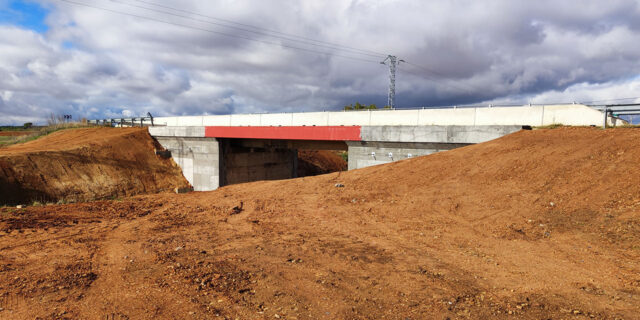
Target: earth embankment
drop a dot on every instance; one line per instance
(541, 224)
(85, 164)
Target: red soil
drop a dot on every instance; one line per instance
(85, 164)
(535, 225)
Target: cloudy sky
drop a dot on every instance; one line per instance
(109, 58)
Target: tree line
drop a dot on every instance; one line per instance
(359, 106)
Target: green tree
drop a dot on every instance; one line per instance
(359, 106)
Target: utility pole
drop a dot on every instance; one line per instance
(393, 63)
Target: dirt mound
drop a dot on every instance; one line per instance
(84, 164)
(536, 225)
(315, 162)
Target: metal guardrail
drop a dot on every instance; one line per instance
(125, 122)
(615, 110)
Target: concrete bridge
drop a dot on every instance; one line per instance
(219, 150)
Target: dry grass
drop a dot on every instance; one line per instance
(550, 126)
(42, 131)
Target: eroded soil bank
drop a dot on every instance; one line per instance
(315, 162)
(85, 164)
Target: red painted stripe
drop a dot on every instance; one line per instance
(339, 133)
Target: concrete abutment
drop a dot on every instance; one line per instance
(364, 154)
(199, 159)
(208, 162)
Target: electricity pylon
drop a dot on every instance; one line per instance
(393, 63)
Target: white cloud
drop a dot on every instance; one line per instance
(6, 95)
(93, 63)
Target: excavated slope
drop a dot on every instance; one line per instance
(315, 162)
(85, 164)
(541, 224)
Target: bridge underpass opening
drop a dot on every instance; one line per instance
(247, 160)
(214, 156)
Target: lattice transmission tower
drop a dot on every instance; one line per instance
(393, 63)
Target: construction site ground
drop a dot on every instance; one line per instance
(541, 224)
(85, 164)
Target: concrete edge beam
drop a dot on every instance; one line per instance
(436, 134)
(177, 131)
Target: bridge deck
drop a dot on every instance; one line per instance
(330, 133)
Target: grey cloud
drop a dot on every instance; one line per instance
(473, 52)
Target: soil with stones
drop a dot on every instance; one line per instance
(541, 224)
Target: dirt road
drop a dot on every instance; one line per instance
(538, 224)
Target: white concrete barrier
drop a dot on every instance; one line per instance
(394, 117)
(276, 119)
(509, 116)
(447, 117)
(575, 115)
(166, 121)
(572, 115)
(349, 118)
(238, 120)
(190, 121)
(310, 119)
(222, 120)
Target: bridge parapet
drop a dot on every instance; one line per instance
(537, 115)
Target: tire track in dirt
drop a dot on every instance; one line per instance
(121, 263)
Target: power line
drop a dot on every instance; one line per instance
(451, 85)
(440, 82)
(442, 75)
(289, 38)
(259, 28)
(217, 32)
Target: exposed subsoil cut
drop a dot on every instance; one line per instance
(315, 162)
(85, 164)
(541, 224)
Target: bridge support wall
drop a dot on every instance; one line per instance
(199, 159)
(209, 163)
(364, 154)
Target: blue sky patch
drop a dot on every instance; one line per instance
(68, 45)
(26, 14)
